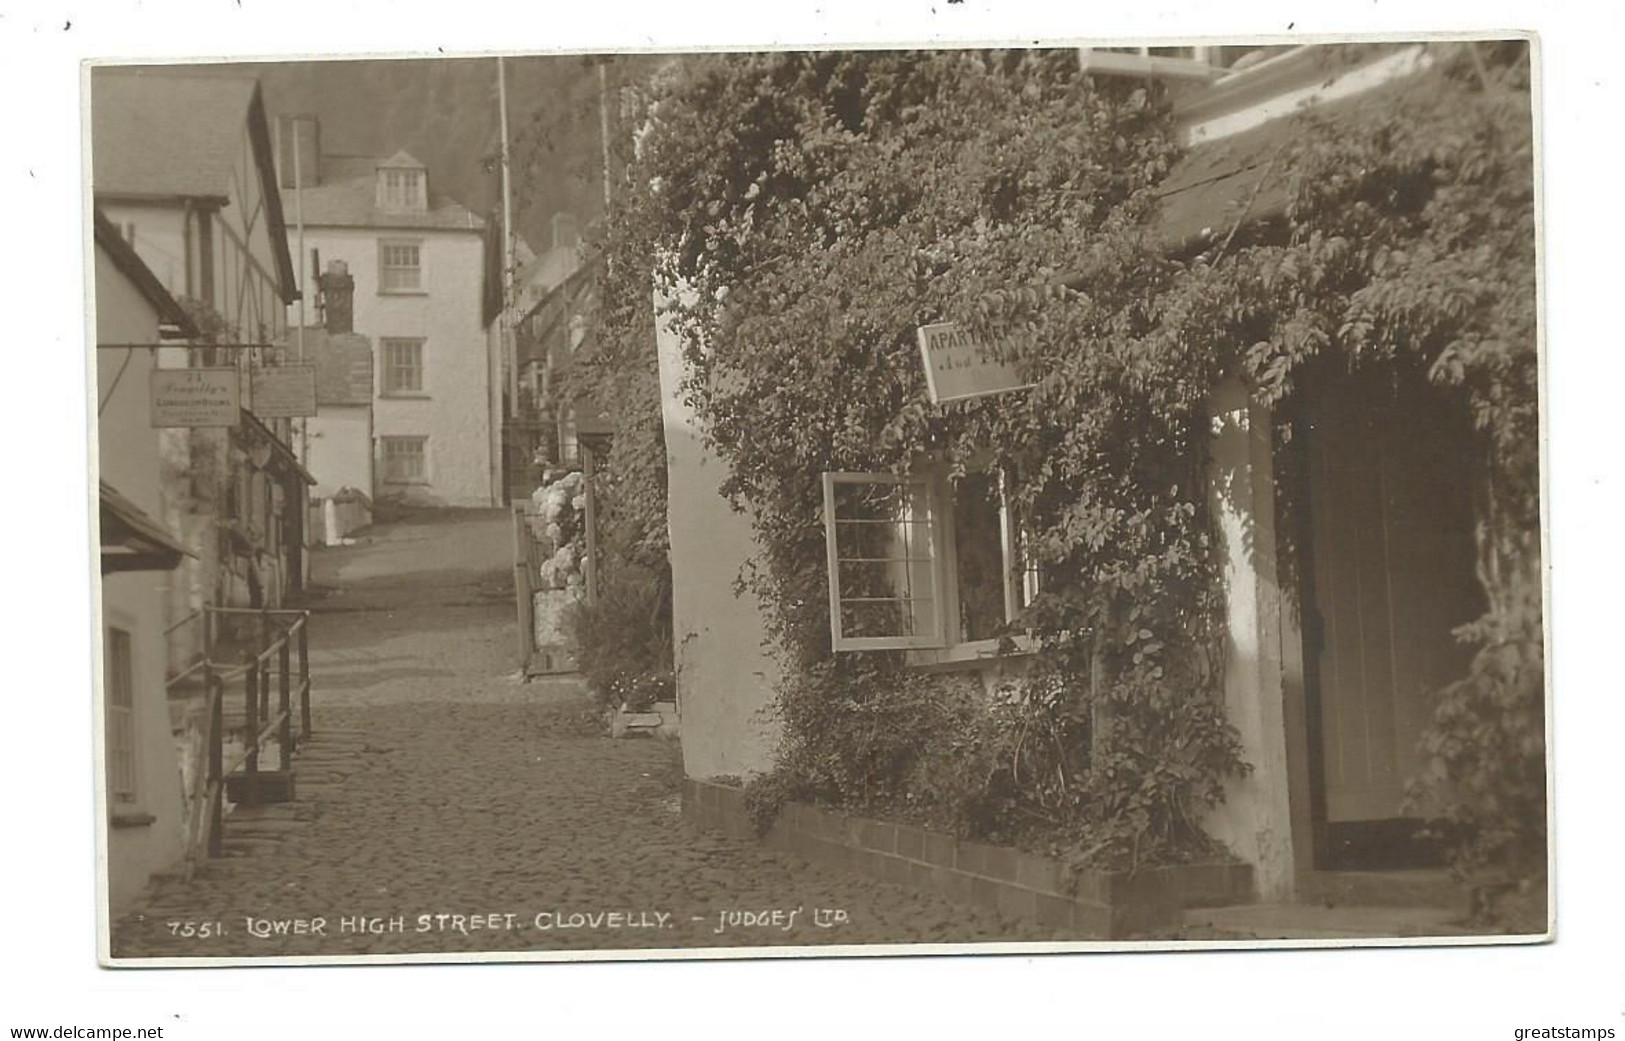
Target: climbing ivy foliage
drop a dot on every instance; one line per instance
(803, 214)
(623, 640)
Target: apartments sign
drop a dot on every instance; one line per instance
(194, 397)
(959, 365)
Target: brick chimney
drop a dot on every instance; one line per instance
(307, 132)
(338, 297)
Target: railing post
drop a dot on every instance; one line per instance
(265, 665)
(215, 790)
(251, 727)
(284, 755)
(265, 688)
(304, 678)
(524, 599)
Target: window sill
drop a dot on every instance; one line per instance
(404, 395)
(971, 655)
(131, 819)
(403, 292)
(417, 482)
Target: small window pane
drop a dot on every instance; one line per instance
(399, 266)
(402, 366)
(884, 558)
(885, 618)
(404, 460)
(402, 189)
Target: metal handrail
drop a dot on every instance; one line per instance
(181, 675)
(207, 812)
(259, 741)
(194, 616)
(225, 671)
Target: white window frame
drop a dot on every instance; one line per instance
(385, 268)
(401, 188)
(119, 706)
(385, 456)
(945, 644)
(934, 635)
(386, 367)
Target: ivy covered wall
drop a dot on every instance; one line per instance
(818, 208)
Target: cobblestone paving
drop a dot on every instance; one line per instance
(446, 807)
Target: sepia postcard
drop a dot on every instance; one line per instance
(1066, 497)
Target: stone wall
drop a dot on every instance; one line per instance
(1090, 904)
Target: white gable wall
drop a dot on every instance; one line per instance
(454, 411)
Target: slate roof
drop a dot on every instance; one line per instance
(347, 196)
(131, 539)
(343, 365)
(167, 134)
(160, 133)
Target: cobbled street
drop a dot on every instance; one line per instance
(444, 806)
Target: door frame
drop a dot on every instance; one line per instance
(1395, 843)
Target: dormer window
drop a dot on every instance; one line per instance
(402, 184)
(400, 189)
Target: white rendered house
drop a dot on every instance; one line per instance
(418, 261)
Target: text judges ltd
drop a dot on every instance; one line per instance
(266, 928)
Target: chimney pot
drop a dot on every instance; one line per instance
(338, 295)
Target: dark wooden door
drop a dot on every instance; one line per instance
(1390, 472)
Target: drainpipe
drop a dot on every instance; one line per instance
(299, 281)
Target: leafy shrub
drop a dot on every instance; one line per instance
(623, 641)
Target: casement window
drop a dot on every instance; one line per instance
(402, 361)
(883, 535)
(920, 562)
(405, 460)
(119, 688)
(400, 266)
(400, 189)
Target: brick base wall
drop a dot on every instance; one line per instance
(1092, 904)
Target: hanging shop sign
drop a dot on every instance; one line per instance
(283, 391)
(195, 397)
(960, 365)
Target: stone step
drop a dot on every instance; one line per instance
(264, 828)
(276, 811)
(1315, 922)
(232, 846)
(1419, 888)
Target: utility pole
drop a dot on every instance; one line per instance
(603, 124)
(509, 340)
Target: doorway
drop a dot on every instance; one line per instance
(1387, 468)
